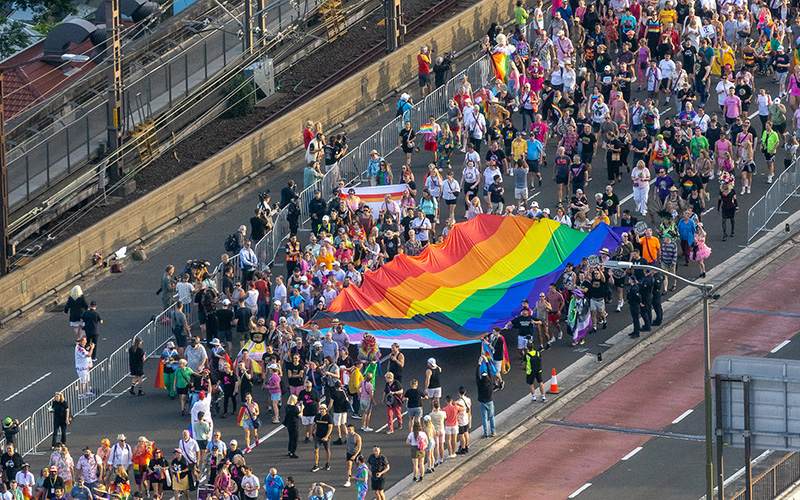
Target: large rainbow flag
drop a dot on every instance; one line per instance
(454, 293)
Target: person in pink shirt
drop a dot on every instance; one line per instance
(732, 106)
(451, 425)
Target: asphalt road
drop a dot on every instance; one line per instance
(127, 302)
(679, 462)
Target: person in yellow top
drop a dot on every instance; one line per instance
(602, 216)
(668, 15)
(519, 147)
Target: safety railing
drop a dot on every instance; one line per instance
(775, 480)
(783, 187)
(103, 377)
(351, 168)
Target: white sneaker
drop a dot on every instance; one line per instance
(453, 455)
(533, 398)
(769, 179)
(744, 189)
(544, 398)
(560, 335)
(748, 189)
(712, 176)
(347, 484)
(367, 429)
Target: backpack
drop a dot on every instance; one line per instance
(231, 243)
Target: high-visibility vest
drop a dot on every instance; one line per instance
(528, 357)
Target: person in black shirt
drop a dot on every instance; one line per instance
(597, 294)
(287, 194)
(258, 226)
(588, 146)
(290, 490)
(309, 399)
(627, 220)
(12, 463)
(378, 467)
(242, 318)
(224, 322)
(405, 222)
(485, 395)
(136, 359)
(744, 92)
(689, 54)
(668, 132)
(413, 399)
(509, 132)
(689, 182)
(92, 322)
(61, 418)
(339, 408)
(53, 485)
(524, 323)
(497, 154)
(323, 427)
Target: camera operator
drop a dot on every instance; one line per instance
(440, 69)
(258, 225)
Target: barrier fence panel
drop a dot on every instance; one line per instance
(784, 187)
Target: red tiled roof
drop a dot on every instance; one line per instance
(29, 84)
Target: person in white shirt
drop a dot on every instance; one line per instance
(120, 454)
(667, 67)
(295, 321)
(25, 479)
(701, 120)
(723, 89)
(185, 291)
(191, 452)
(280, 290)
(653, 78)
(421, 225)
(763, 100)
(329, 293)
(83, 365)
(641, 186)
(250, 484)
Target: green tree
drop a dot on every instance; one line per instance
(13, 37)
(42, 9)
(241, 97)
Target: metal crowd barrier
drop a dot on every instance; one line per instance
(775, 480)
(784, 187)
(109, 372)
(104, 376)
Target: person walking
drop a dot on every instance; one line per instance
(728, 207)
(634, 304)
(167, 289)
(273, 485)
(393, 399)
(91, 326)
(75, 306)
(378, 466)
(533, 371)
(354, 443)
(323, 427)
(83, 365)
(136, 358)
(250, 420)
(291, 420)
(464, 419)
(361, 476)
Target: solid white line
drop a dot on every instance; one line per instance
(579, 490)
(634, 452)
(683, 415)
(387, 424)
(28, 386)
(709, 210)
(780, 346)
(534, 195)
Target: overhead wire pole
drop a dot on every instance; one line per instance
(706, 291)
(115, 163)
(3, 188)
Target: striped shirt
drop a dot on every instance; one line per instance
(669, 254)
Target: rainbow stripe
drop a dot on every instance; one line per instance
(502, 66)
(453, 293)
(426, 129)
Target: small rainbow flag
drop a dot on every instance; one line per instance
(426, 129)
(502, 66)
(557, 111)
(26, 493)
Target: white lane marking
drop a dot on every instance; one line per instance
(264, 438)
(580, 490)
(115, 396)
(631, 454)
(780, 346)
(28, 386)
(387, 424)
(534, 195)
(683, 415)
(709, 210)
(630, 196)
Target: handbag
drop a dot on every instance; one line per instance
(256, 421)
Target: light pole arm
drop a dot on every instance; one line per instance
(613, 264)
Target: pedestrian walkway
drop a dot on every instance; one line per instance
(565, 458)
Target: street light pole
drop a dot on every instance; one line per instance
(705, 290)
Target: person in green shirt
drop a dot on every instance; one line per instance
(183, 380)
(520, 16)
(770, 140)
(698, 143)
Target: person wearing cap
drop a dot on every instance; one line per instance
(120, 455)
(181, 474)
(782, 62)
(26, 481)
(53, 485)
(433, 381)
(10, 429)
(322, 428)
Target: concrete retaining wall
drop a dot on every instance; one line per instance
(55, 268)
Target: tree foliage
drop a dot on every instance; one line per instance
(41, 9)
(241, 97)
(13, 37)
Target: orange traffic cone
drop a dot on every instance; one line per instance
(553, 383)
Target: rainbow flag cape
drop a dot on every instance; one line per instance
(160, 376)
(26, 493)
(240, 417)
(123, 490)
(795, 58)
(502, 66)
(452, 294)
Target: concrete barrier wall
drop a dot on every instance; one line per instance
(227, 167)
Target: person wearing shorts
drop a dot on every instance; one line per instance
(378, 467)
(451, 425)
(433, 381)
(323, 427)
(413, 400)
(533, 371)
